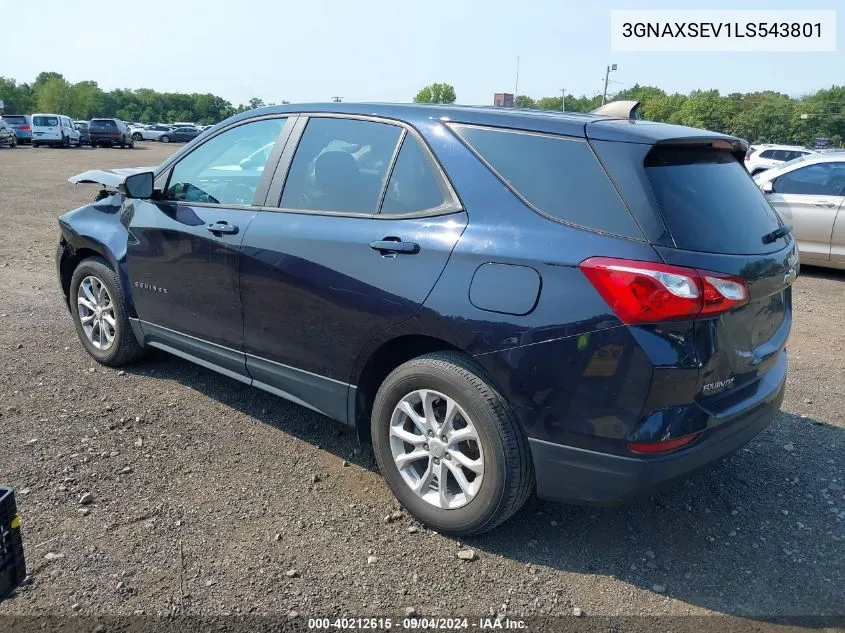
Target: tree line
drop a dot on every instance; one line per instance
(51, 92)
(760, 117)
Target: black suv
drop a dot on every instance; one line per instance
(588, 306)
(109, 132)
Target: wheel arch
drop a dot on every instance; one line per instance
(376, 363)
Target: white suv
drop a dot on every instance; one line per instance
(759, 158)
(54, 129)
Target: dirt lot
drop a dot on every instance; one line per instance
(205, 497)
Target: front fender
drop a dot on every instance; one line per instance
(101, 228)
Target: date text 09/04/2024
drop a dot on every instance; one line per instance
(416, 623)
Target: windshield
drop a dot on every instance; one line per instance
(710, 203)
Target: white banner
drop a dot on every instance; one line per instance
(720, 31)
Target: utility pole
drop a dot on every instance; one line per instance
(563, 99)
(610, 68)
(516, 86)
(337, 99)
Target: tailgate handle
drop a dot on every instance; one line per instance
(824, 203)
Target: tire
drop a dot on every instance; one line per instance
(65, 142)
(501, 445)
(35, 145)
(124, 347)
(137, 136)
(164, 138)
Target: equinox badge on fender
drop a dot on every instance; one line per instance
(150, 287)
(710, 387)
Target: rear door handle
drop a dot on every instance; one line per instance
(824, 203)
(394, 245)
(223, 227)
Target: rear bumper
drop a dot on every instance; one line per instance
(97, 138)
(23, 135)
(576, 475)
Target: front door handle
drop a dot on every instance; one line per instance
(393, 245)
(824, 203)
(223, 227)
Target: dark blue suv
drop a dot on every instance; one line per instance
(504, 301)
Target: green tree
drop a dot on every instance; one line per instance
(17, 98)
(54, 95)
(524, 101)
(436, 93)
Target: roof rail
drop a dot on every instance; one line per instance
(619, 109)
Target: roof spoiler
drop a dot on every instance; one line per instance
(619, 110)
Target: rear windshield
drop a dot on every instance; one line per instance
(45, 121)
(104, 123)
(710, 203)
(558, 176)
(81, 125)
(14, 119)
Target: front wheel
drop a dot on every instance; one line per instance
(99, 313)
(449, 446)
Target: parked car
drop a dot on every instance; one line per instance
(22, 125)
(149, 132)
(183, 124)
(7, 135)
(82, 127)
(179, 135)
(53, 129)
(370, 272)
(809, 194)
(759, 158)
(110, 132)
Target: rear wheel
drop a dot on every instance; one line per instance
(99, 313)
(449, 446)
(165, 138)
(34, 145)
(137, 136)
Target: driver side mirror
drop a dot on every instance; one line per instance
(138, 185)
(767, 187)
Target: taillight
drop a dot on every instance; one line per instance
(747, 158)
(653, 448)
(23, 127)
(645, 292)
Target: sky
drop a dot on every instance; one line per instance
(375, 50)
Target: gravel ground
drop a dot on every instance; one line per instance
(204, 496)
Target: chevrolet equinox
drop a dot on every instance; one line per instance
(585, 306)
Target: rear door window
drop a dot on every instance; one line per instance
(769, 153)
(414, 185)
(709, 203)
(45, 121)
(340, 165)
(560, 177)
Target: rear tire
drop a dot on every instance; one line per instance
(164, 138)
(123, 347)
(137, 136)
(496, 446)
(35, 145)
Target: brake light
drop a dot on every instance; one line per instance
(652, 448)
(645, 292)
(23, 127)
(747, 158)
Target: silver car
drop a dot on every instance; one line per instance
(809, 194)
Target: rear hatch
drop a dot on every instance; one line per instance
(46, 127)
(17, 122)
(708, 215)
(104, 128)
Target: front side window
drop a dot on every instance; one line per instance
(414, 185)
(340, 165)
(821, 179)
(226, 169)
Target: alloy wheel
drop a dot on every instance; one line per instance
(96, 313)
(436, 449)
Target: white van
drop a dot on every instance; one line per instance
(53, 129)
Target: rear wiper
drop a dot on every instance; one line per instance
(778, 233)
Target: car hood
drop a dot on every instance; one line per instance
(107, 177)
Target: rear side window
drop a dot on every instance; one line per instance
(340, 165)
(709, 202)
(559, 177)
(413, 185)
(45, 121)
